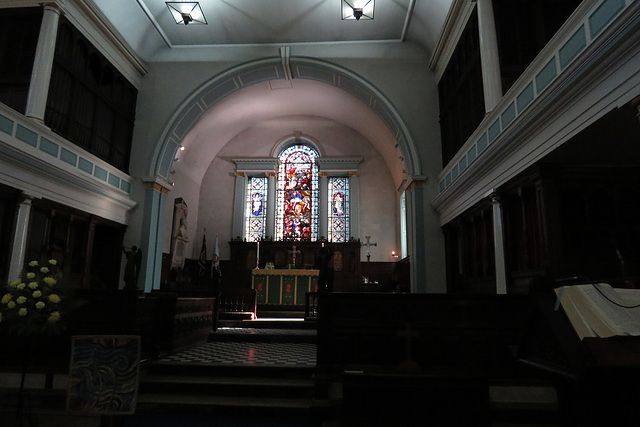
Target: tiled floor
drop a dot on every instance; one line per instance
(255, 353)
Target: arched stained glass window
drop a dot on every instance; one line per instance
(297, 196)
(256, 209)
(338, 209)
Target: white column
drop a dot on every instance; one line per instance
(498, 243)
(271, 205)
(416, 240)
(237, 227)
(20, 238)
(43, 63)
(489, 57)
(323, 209)
(152, 235)
(354, 204)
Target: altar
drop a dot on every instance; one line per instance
(283, 286)
(248, 259)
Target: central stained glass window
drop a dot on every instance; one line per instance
(297, 196)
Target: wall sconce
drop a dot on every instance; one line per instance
(357, 9)
(394, 254)
(186, 12)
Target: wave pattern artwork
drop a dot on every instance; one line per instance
(104, 374)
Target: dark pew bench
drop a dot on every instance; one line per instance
(405, 359)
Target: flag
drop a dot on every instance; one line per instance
(215, 262)
(202, 261)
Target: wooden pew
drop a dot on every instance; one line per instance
(407, 359)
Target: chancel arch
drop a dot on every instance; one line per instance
(222, 108)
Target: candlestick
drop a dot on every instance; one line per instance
(258, 256)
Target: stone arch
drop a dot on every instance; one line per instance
(232, 80)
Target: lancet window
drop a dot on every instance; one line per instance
(256, 209)
(338, 224)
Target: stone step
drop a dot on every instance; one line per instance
(237, 334)
(229, 386)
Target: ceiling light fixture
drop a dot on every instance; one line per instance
(357, 9)
(186, 12)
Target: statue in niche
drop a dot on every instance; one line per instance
(179, 233)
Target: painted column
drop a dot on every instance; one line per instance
(91, 232)
(416, 243)
(237, 227)
(153, 226)
(354, 204)
(43, 63)
(489, 57)
(271, 205)
(323, 209)
(20, 238)
(498, 243)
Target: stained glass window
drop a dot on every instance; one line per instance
(297, 196)
(256, 209)
(338, 209)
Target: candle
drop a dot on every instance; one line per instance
(258, 256)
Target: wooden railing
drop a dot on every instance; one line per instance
(237, 304)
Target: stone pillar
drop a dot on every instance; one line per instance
(152, 238)
(489, 57)
(20, 238)
(239, 202)
(270, 231)
(43, 63)
(91, 232)
(416, 240)
(354, 204)
(323, 209)
(498, 243)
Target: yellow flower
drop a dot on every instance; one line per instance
(54, 317)
(49, 281)
(54, 298)
(33, 264)
(53, 262)
(14, 283)
(37, 294)
(11, 304)
(31, 275)
(44, 270)
(22, 312)
(21, 286)
(6, 298)
(21, 300)
(33, 285)
(39, 305)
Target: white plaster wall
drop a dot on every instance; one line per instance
(378, 198)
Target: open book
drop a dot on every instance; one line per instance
(598, 310)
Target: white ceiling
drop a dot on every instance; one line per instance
(149, 28)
